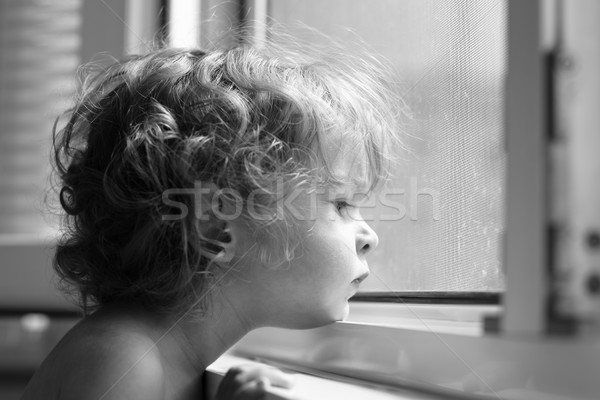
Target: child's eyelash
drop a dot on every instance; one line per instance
(341, 205)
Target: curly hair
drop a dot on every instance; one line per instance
(240, 118)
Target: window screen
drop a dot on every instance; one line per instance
(39, 53)
(443, 230)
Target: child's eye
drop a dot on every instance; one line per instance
(341, 205)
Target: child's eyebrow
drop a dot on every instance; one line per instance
(355, 187)
(358, 184)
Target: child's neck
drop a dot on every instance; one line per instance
(205, 338)
(191, 342)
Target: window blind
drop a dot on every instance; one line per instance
(39, 54)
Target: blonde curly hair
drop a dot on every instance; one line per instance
(241, 118)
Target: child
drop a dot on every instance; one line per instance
(208, 194)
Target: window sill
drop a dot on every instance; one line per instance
(309, 387)
(31, 284)
(433, 357)
(438, 318)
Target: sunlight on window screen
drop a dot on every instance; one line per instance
(447, 210)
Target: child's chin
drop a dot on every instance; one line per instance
(345, 312)
(339, 315)
(323, 319)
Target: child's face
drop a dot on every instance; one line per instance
(333, 240)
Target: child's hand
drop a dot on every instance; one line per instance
(250, 382)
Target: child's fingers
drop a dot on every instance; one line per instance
(273, 375)
(240, 375)
(239, 384)
(253, 390)
(278, 378)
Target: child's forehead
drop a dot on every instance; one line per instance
(355, 189)
(346, 160)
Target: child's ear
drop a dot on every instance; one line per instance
(218, 240)
(218, 231)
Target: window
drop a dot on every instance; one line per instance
(42, 43)
(38, 58)
(443, 232)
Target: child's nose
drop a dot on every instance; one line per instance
(367, 240)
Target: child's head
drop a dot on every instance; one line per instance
(162, 151)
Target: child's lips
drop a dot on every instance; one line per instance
(361, 278)
(356, 283)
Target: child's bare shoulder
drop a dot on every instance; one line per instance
(101, 359)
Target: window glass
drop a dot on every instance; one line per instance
(443, 230)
